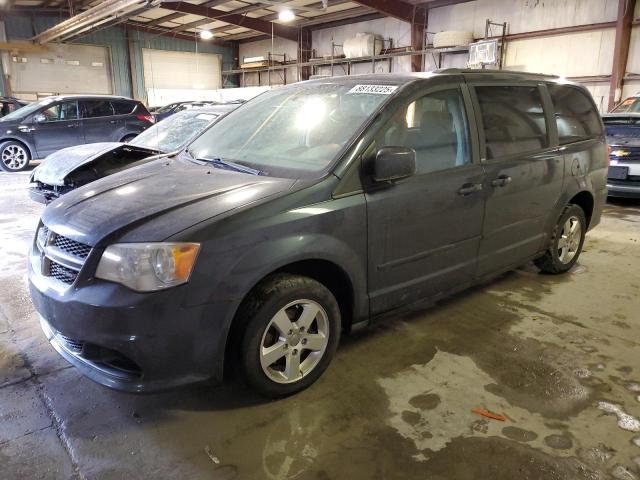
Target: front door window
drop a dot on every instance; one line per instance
(61, 111)
(435, 126)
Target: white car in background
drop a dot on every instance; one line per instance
(72, 167)
(623, 136)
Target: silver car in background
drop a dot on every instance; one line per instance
(73, 167)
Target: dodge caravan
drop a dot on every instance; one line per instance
(308, 211)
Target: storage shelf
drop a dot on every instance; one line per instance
(347, 61)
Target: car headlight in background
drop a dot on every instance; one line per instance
(147, 267)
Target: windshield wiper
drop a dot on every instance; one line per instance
(226, 164)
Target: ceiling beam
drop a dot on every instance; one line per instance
(173, 16)
(140, 27)
(204, 21)
(443, 3)
(392, 8)
(283, 31)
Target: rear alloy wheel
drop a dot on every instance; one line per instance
(14, 157)
(566, 242)
(292, 333)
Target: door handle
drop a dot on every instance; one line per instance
(501, 181)
(469, 188)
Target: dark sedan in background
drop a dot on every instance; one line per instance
(73, 167)
(54, 123)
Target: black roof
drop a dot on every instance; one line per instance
(404, 78)
(91, 97)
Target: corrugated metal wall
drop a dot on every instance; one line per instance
(20, 27)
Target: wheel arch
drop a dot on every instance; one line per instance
(326, 272)
(584, 200)
(21, 141)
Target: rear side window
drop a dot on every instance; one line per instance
(96, 108)
(122, 107)
(513, 120)
(576, 117)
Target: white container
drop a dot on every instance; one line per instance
(362, 45)
(452, 38)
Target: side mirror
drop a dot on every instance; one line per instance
(394, 163)
(39, 118)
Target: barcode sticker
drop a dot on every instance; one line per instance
(375, 89)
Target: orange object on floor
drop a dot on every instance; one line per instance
(487, 413)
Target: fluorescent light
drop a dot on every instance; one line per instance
(206, 35)
(286, 16)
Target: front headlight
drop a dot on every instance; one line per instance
(146, 267)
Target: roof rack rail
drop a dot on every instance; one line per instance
(473, 70)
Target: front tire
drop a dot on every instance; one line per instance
(566, 243)
(14, 156)
(292, 332)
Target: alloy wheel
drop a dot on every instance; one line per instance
(294, 341)
(570, 238)
(14, 157)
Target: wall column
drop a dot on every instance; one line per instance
(621, 50)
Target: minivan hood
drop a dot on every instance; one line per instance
(55, 167)
(183, 192)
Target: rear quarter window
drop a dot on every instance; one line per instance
(123, 108)
(576, 116)
(96, 108)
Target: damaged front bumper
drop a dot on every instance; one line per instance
(45, 194)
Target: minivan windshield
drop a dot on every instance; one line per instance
(291, 132)
(630, 105)
(175, 132)
(27, 110)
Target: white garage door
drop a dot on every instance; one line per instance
(61, 69)
(164, 70)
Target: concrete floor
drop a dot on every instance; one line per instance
(558, 356)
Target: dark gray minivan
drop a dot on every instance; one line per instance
(309, 210)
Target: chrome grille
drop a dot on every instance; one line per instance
(628, 154)
(61, 258)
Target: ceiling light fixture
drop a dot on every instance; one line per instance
(206, 35)
(286, 16)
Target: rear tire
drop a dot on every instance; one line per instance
(291, 334)
(14, 156)
(566, 241)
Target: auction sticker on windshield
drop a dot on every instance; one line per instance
(377, 89)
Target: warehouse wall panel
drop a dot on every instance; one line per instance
(521, 15)
(22, 27)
